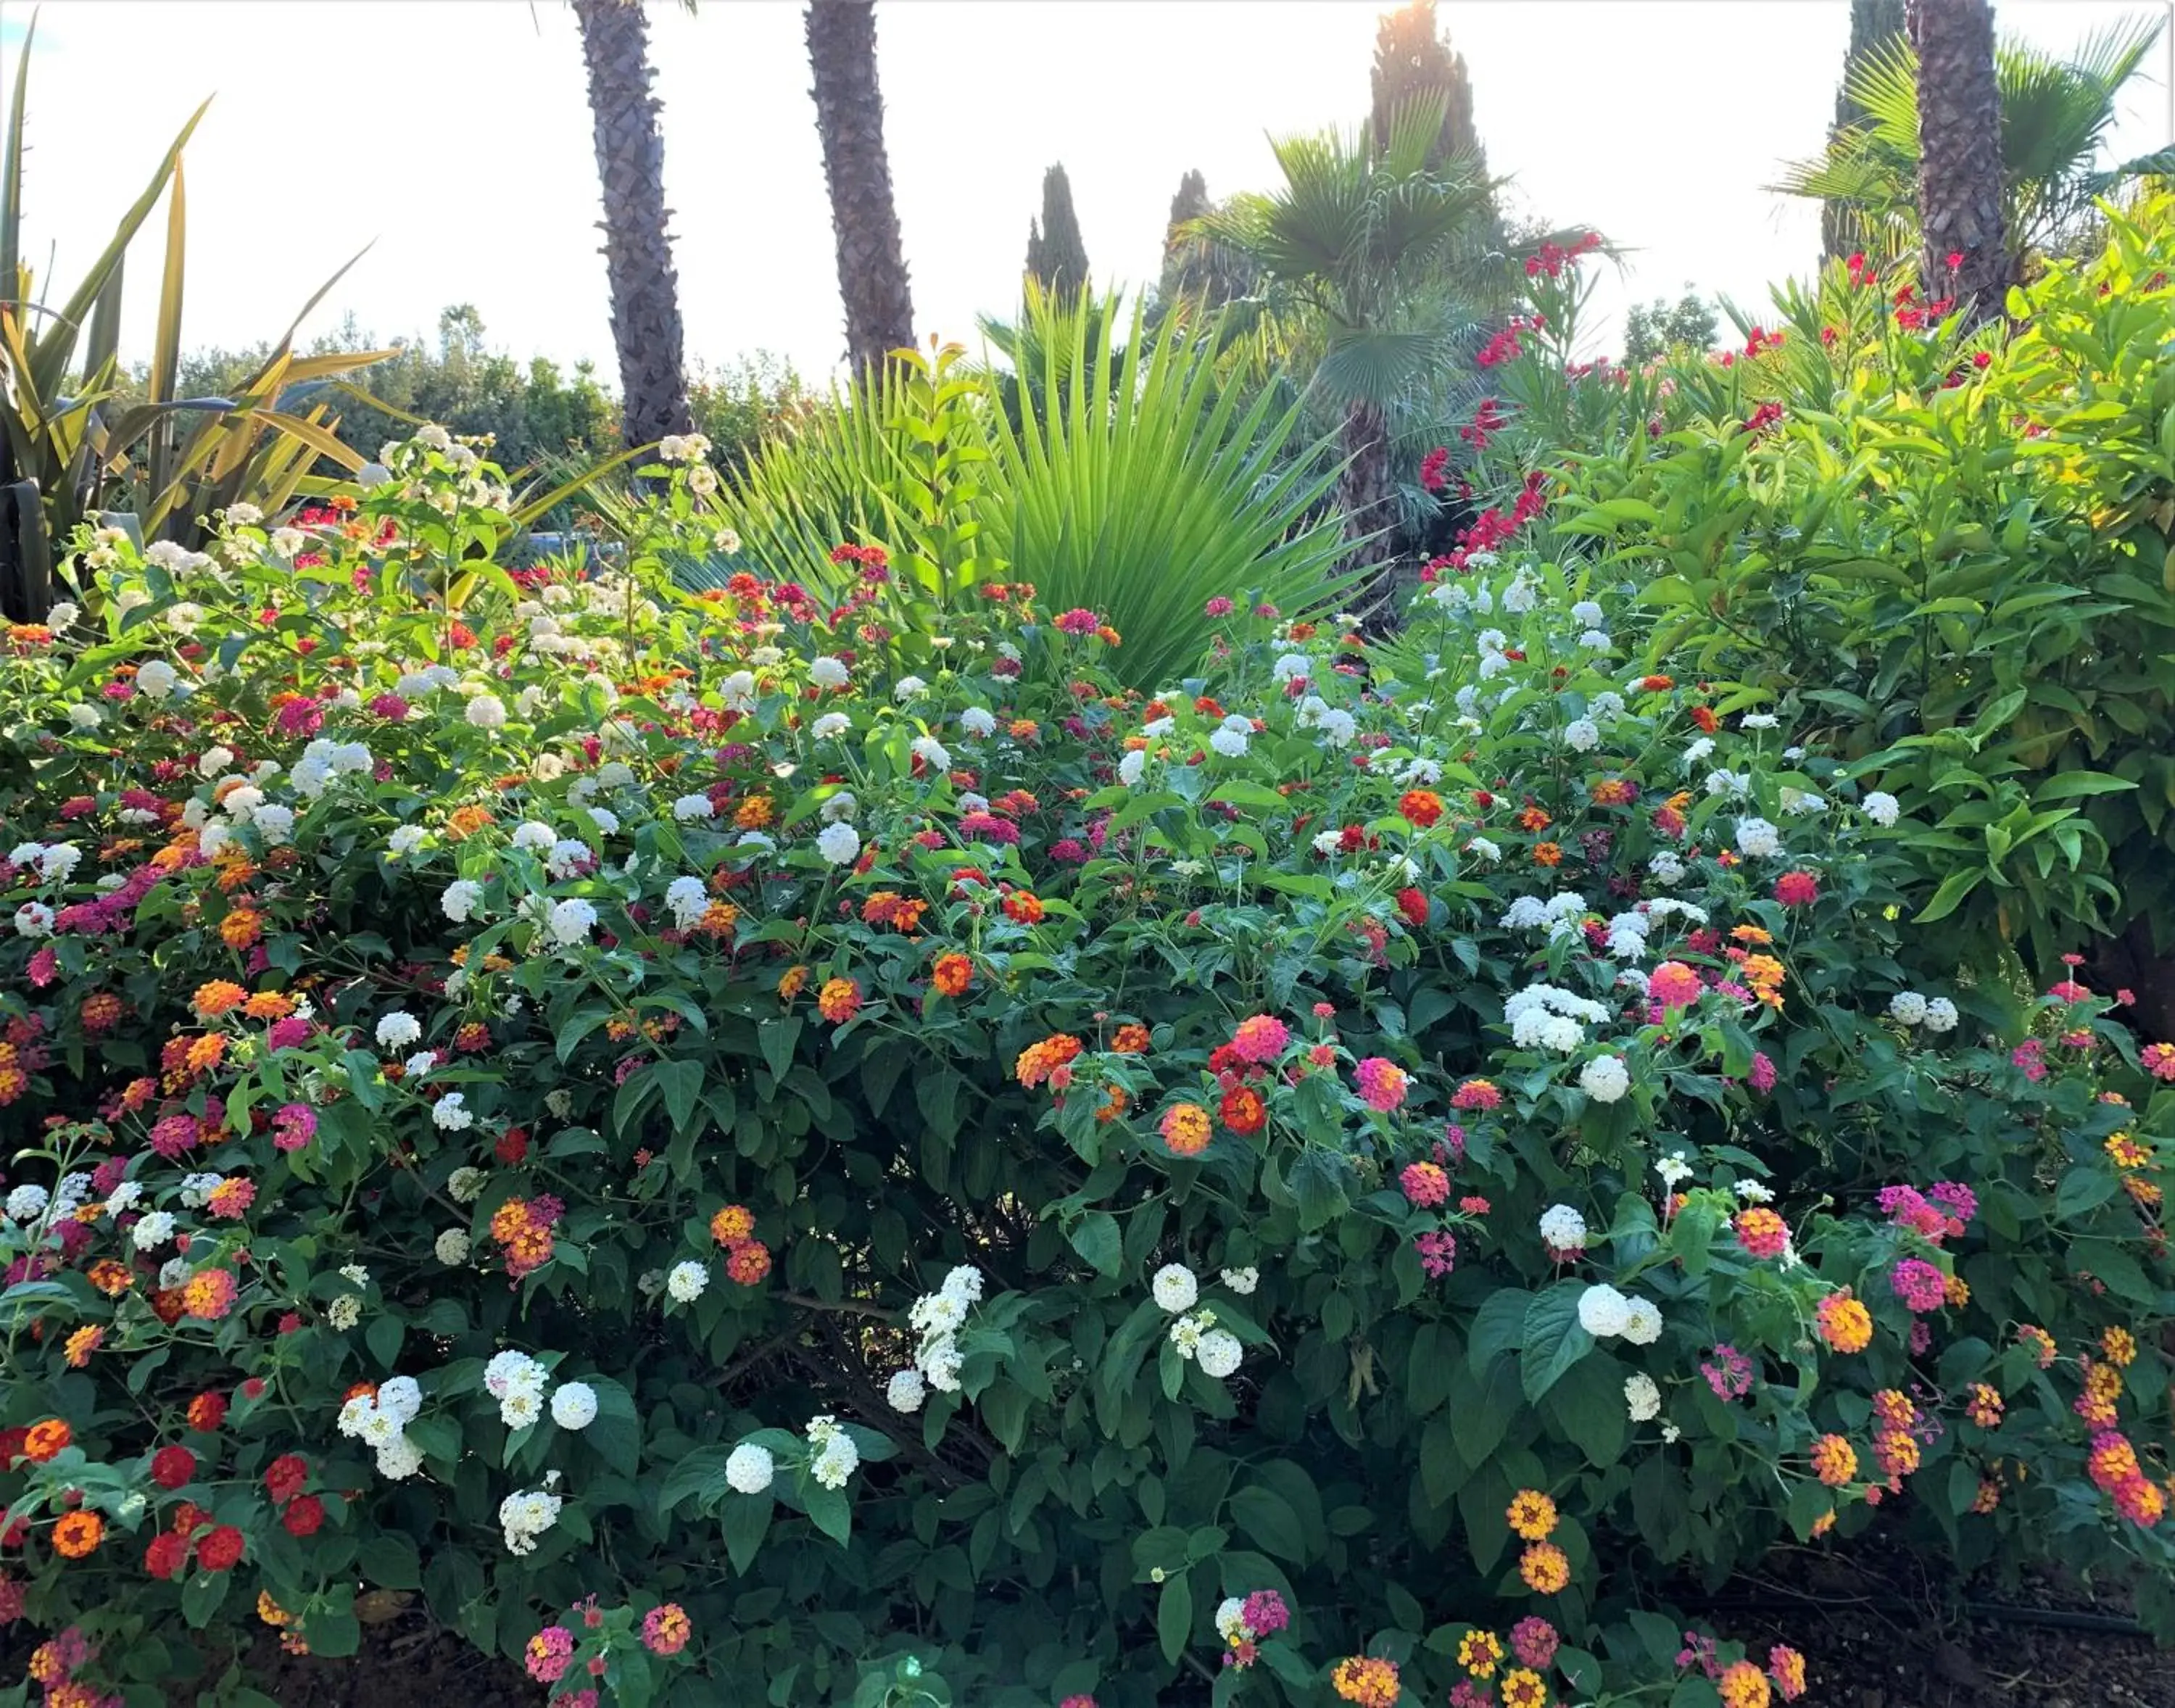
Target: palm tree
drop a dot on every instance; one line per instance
(1365, 240)
(645, 289)
(841, 51)
(2054, 116)
(1960, 223)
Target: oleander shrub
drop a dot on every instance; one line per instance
(731, 1169)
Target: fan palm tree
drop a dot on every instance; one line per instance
(2054, 115)
(645, 288)
(841, 51)
(1359, 232)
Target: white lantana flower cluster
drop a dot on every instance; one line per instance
(525, 1515)
(1551, 1018)
(937, 1317)
(832, 1456)
(380, 1422)
(1913, 1008)
(1604, 1313)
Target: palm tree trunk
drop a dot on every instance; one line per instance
(645, 289)
(1364, 493)
(841, 51)
(1959, 177)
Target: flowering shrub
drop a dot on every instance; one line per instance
(1949, 547)
(707, 1159)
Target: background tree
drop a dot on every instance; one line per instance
(1204, 274)
(1385, 263)
(1961, 230)
(841, 51)
(1056, 253)
(1414, 60)
(1656, 327)
(2056, 115)
(1873, 24)
(645, 288)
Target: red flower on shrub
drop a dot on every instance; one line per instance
(167, 1555)
(286, 1477)
(171, 1467)
(1797, 889)
(221, 1550)
(304, 1514)
(1243, 1111)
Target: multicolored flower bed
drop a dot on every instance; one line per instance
(805, 1135)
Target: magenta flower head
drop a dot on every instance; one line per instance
(1264, 1612)
(550, 1652)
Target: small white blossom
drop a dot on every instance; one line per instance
(1757, 839)
(686, 1280)
(750, 1468)
(1642, 1399)
(1603, 1311)
(1241, 1282)
(452, 1114)
(1908, 1006)
(571, 921)
(463, 897)
(1219, 1353)
(1175, 1287)
(906, 1391)
(1940, 1014)
(487, 712)
(573, 1405)
(450, 1247)
(1882, 807)
(398, 1030)
(1563, 1229)
(838, 844)
(1605, 1079)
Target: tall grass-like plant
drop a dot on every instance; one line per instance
(1146, 485)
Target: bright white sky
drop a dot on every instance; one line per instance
(455, 132)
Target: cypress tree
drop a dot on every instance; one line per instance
(1413, 58)
(1056, 254)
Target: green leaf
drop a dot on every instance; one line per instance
(1500, 1326)
(828, 1511)
(1174, 1616)
(1553, 1339)
(616, 1432)
(383, 1337)
(1267, 1519)
(1949, 895)
(388, 1560)
(681, 1080)
(745, 1522)
(1095, 1236)
(779, 1038)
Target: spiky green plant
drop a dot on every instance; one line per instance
(1145, 485)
